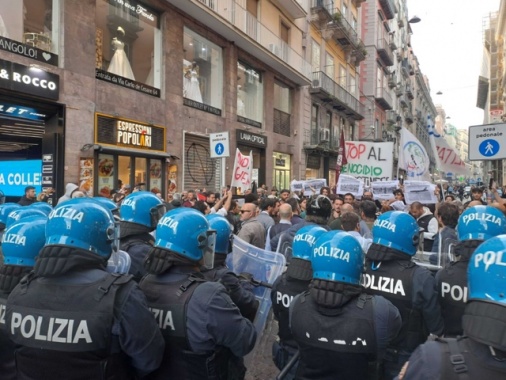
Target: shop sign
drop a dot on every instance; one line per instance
(248, 138)
(28, 51)
(16, 175)
(127, 83)
(13, 110)
(129, 133)
(29, 80)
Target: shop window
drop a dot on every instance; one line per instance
(140, 172)
(250, 92)
(202, 73)
(282, 109)
(155, 176)
(35, 22)
(128, 44)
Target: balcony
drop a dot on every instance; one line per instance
(389, 8)
(404, 102)
(392, 117)
(327, 90)
(318, 142)
(409, 92)
(384, 52)
(408, 116)
(399, 90)
(321, 12)
(229, 19)
(295, 8)
(383, 98)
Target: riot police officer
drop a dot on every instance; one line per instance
(22, 241)
(201, 325)
(69, 318)
(5, 210)
(239, 291)
(340, 330)
(481, 352)
(476, 224)
(139, 213)
(411, 288)
(294, 281)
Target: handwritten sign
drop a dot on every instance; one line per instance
(243, 166)
(369, 161)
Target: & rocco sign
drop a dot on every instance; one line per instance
(29, 80)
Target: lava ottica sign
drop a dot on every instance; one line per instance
(16, 175)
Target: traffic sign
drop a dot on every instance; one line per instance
(487, 142)
(219, 144)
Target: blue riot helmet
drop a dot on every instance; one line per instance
(108, 204)
(224, 233)
(185, 231)
(42, 206)
(23, 240)
(397, 230)
(20, 213)
(486, 272)
(2, 197)
(338, 256)
(304, 241)
(481, 223)
(5, 210)
(142, 208)
(83, 224)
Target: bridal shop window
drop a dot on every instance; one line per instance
(202, 73)
(250, 91)
(34, 23)
(128, 45)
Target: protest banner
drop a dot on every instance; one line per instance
(369, 161)
(413, 157)
(243, 166)
(307, 186)
(419, 191)
(384, 190)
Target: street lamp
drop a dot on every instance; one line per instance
(414, 20)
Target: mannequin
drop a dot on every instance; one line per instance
(119, 63)
(241, 108)
(193, 87)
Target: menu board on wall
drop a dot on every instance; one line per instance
(172, 176)
(105, 174)
(155, 176)
(86, 175)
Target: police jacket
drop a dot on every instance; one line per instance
(70, 319)
(10, 275)
(200, 324)
(340, 331)
(290, 233)
(411, 288)
(239, 291)
(137, 246)
(294, 281)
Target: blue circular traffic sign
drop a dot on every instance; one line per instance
(219, 149)
(489, 148)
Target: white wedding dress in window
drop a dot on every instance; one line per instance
(193, 89)
(119, 63)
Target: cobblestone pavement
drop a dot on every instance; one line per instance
(259, 362)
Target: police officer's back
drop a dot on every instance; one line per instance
(340, 330)
(69, 318)
(21, 243)
(294, 281)
(481, 353)
(139, 213)
(411, 288)
(200, 323)
(475, 225)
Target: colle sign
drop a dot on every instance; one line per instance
(29, 80)
(16, 175)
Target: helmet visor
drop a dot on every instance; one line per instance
(208, 249)
(156, 214)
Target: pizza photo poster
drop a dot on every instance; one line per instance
(86, 175)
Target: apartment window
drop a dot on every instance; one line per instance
(353, 86)
(285, 32)
(329, 65)
(314, 124)
(202, 72)
(344, 10)
(128, 44)
(315, 55)
(34, 23)
(250, 91)
(282, 108)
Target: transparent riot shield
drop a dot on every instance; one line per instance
(436, 260)
(265, 266)
(285, 246)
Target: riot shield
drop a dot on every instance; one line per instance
(436, 260)
(285, 246)
(265, 266)
(119, 262)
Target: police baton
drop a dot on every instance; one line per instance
(256, 283)
(288, 366)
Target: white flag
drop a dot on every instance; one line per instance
(243, 168)
(413, 157)
(447, 158)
